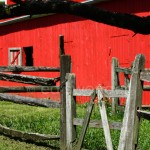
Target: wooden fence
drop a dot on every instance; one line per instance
(42, 84)
(131, 121)
(116, 83)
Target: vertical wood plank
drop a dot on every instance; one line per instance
(86, 121)
(115, 82)
(65, 66)
(129, 132)
(104, 119)
(61, 45)
(65, 62)
(70, 110)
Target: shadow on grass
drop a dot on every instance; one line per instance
(44, 143)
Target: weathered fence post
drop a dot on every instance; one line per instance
(115, 82)
(61, 45)
(130, 127)
(104, 118)
(86, 120)
(70, 110)
(65, 67)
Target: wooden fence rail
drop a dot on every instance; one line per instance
(7, 89)
(129, 132)
(29, 79)
(124, 70)
(97, 124)
(28, 69)
(144, 114)
(116, 69)
(107, 93)
(39, 84)
(27, 136)
(72, 121)
(29, 100)
(131, 120)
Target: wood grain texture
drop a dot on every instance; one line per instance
(144, 114)
(145, 76)
(70, 110)
(98, 124)
(105, 124)
(28, 79)
(86, 121)
(26, 136)
(29, 100)
(115, 82)
(28, 69)
(65, 67)
(107, 93)
(129, 132)
(7, 89)
(124, 70)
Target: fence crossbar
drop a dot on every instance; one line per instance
(107, 93)
(28, 69)
(26, 136)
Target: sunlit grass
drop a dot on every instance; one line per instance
(47, 121)
(94, 139)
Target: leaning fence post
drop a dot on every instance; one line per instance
(115, 82)
(129, 131)
(105, 124)
(70, 110)
(86, 121)
(65, 67)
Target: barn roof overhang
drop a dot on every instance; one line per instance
(28, 17)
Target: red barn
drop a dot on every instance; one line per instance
(90, 44)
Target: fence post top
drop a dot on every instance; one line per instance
(139, 63)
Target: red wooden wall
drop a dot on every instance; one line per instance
(91, 45)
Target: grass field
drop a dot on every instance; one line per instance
(47, 121)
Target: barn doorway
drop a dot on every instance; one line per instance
(28, 56)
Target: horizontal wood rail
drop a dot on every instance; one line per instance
(145, 72)
(28, 79)
(29, 100)
(124, 70)
(7, 89)
(28, 69)
(82, 92)
(26, 136)
(146, 88)
(107, 93)
(97, 124)
(144, 114)
(145, 76)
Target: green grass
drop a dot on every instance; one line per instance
(10, 144)
(47, 121)
(30, 119)
(94, 139)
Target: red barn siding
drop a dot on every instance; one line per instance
(90, 44)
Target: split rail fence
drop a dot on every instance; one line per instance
(41, 84)
(132, 114)
(117, 70)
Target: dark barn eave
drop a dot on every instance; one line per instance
(122, 20)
